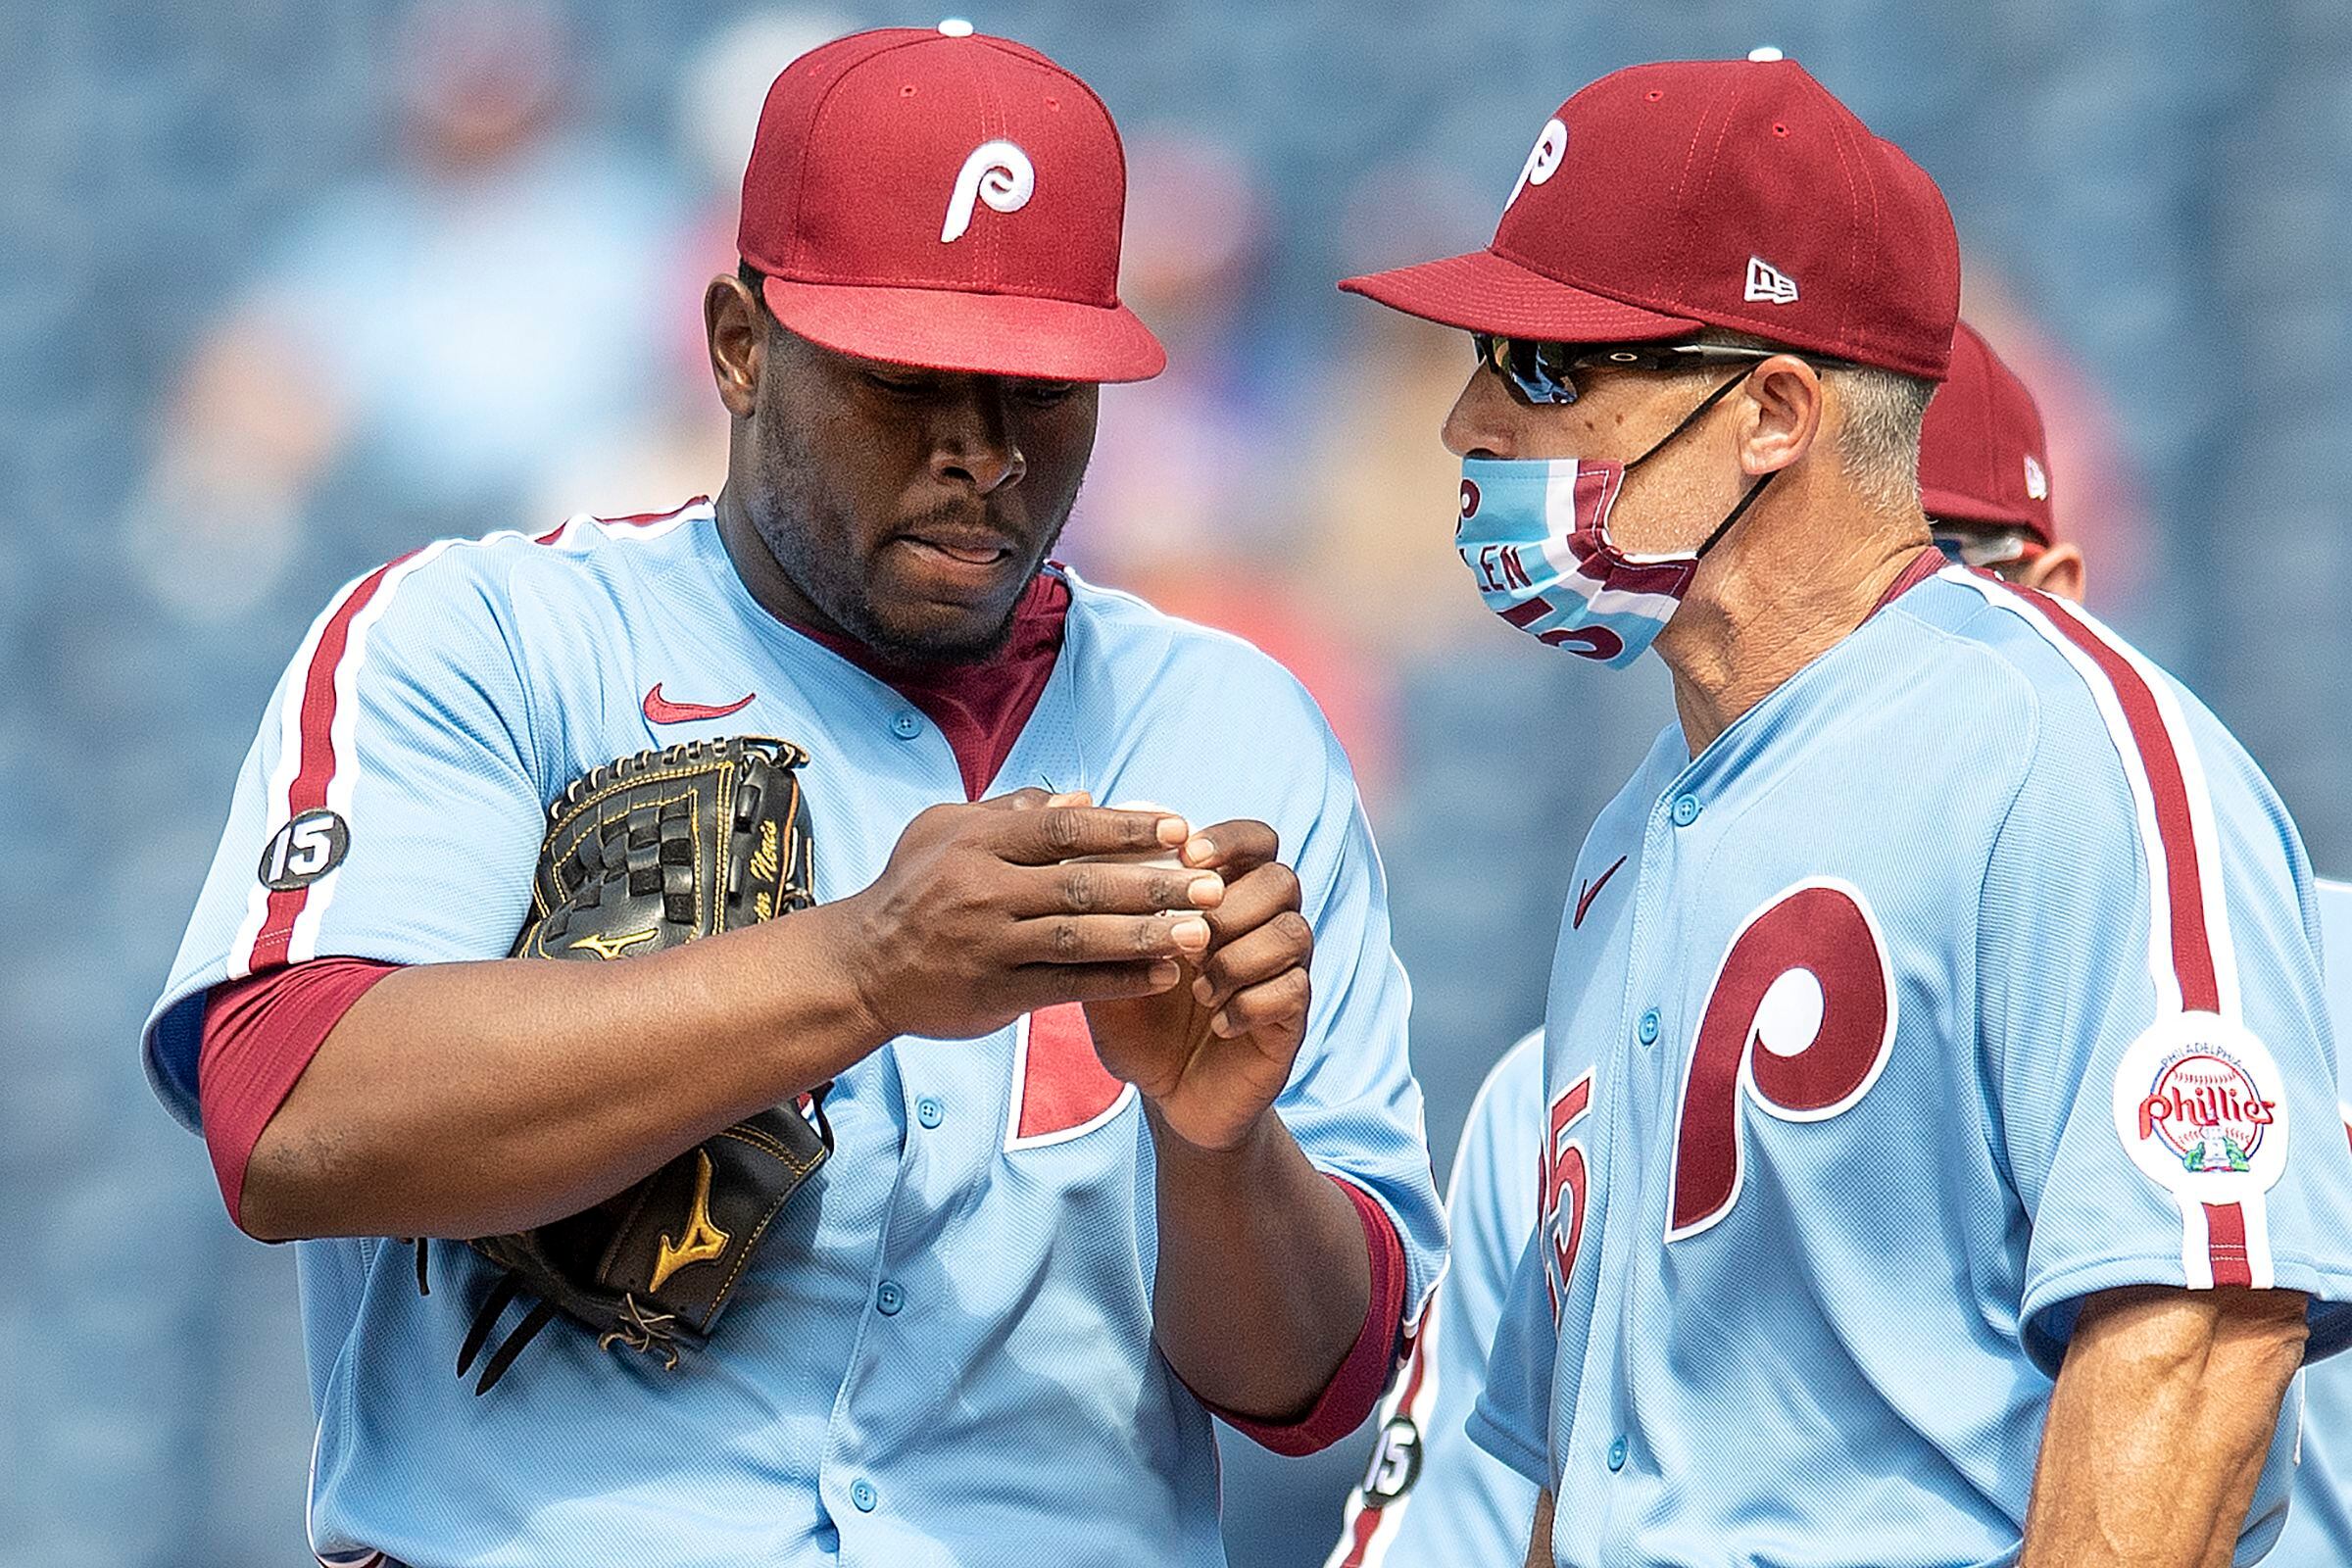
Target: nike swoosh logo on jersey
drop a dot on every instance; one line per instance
(662, 710)
(1583, 900)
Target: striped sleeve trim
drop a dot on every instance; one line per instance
(281, 925)
(2191, 957)
(320, 762)
(1375, 1510)
(1369, 1528)
(2192, 960)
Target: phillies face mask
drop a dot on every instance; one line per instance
(1535, 534)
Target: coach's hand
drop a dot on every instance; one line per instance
(980, 917)
(1212, 1056)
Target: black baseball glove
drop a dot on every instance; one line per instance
(641, 855)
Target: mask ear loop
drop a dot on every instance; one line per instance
(1689, 419)
(1755, 490)
(1746, 501)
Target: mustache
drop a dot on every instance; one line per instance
(976, 514)
(1027, 530)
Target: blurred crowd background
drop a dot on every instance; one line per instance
(287, 288)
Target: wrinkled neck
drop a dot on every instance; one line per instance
(1755, 620)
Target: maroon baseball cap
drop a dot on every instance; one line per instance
(1981, 455)
(937, 197)
(1725, 193)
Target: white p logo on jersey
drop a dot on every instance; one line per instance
(998, 174)
(1543, 159)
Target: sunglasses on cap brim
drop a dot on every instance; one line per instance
(1986, 549)
(1541, 372)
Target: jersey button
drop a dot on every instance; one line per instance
(862, 1494)
(905, 724)
(888, 1299)
(1648, 1030)
(1685, 810)
(1616, 1458)
(929, 1112)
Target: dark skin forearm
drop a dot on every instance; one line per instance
(473, 1098)
(1263, 1278)
(501, 1094)
(2158, 1428)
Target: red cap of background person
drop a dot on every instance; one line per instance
(1726, 193)
(941, 199)
(1982, 455)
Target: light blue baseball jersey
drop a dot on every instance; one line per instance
(1431, 1497)
(943, 1353)
(2319, 1526)
(1972, 971)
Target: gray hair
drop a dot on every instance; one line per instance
(1878, 444)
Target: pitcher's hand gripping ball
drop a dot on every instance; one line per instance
(642, 854)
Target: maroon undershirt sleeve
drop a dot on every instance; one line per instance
(1356, 1387)
(259, 1035)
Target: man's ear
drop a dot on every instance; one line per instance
(736, 324)
(1786, 399)
(2057, 570)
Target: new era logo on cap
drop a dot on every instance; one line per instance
(1768, 284)
(2037, 482)
(1638, 215)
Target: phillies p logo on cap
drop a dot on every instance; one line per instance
(1692, 193)
(1543, 159)
(998, 174)
(946, 200)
